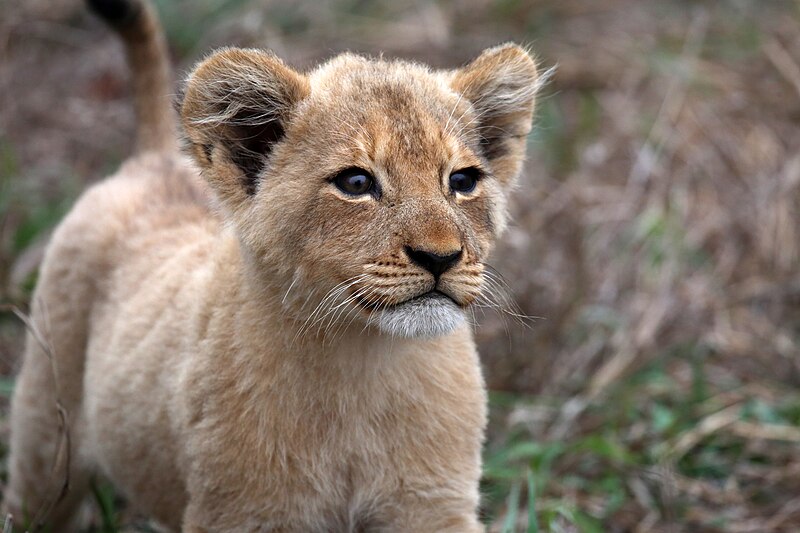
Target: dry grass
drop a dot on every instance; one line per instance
(655, 232)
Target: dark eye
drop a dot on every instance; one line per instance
(355, 181)
(464, 180)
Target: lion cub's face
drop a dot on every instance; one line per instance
(367, 190)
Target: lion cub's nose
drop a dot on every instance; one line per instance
(434, 263)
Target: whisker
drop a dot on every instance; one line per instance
(346, 309)
(294, 280)
(327, 300)
(352, 313)
(337, 311)
(381, 307)
(499, 297)
(447, 124)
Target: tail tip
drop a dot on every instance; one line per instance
(118, 13)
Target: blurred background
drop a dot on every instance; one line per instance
(655, 234)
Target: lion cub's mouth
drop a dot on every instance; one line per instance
(429, 314)
(434, 294)
(426, 297)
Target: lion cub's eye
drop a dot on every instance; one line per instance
(355, 181)
(464, 180)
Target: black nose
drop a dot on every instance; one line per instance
(434, 263)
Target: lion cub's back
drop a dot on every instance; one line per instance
(132, 215)
(120, 272)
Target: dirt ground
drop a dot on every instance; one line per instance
(654, 233)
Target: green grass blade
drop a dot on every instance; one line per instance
(510, 523)
(104, 497)
(6, 386)
(533, 521)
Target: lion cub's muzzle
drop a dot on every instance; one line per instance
(416, 292)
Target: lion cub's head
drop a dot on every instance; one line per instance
(366, 190)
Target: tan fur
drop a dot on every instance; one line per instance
(199, 349)
(146, 52)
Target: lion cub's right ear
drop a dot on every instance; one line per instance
(234, 109)
(502, 84)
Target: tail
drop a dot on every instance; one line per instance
(137, 23)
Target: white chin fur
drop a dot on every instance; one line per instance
(427, 316)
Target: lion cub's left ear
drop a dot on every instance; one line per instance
(501, 84)
(234, 111)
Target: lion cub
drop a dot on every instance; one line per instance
(273, 336)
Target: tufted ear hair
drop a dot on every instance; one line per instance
(501, 84)
(234, 111)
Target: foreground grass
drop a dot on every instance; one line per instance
(678, 445)
(672, 447)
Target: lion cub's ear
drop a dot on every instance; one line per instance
(501, 84)
(234, 110)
